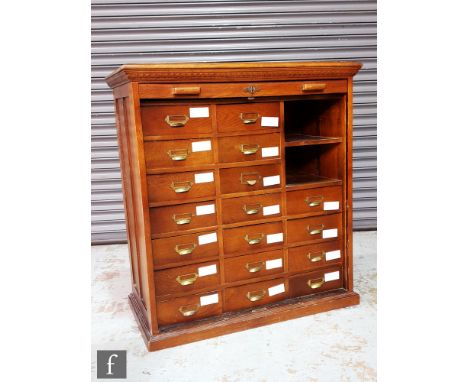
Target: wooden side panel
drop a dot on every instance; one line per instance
(349, 189)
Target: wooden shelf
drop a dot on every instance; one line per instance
(300, 180)
(292, 140)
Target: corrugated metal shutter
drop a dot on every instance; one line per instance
(143, 31)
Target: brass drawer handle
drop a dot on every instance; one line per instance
(187, 279)
(313, 87)
(315, 231)
(252, 209)
(255, 267)
(317, 283)
(182, 218)
(249, 118)
(176, 120)
(314, 201)
(178, 154)
(254, 239)
(189, 310)
(247, 149)
(314, 257)
(185, 249)
(256, 296)
(246, 178)
(180, 187)
(189, 90)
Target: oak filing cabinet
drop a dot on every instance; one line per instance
(237, 182)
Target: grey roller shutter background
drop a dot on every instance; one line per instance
(217, 30)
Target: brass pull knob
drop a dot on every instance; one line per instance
(250, 178)
(314, 257)
(189, 90)
(187, 279)
(256, 296)
(314, 201)
(313, 87)
(185, 249)
(255, 267)
(178, 154)
(176, 120)
(314, 284)
(315, 231)
(182, 218)
(180, 187)
(189, 310)
(252, 209)
(249, 118)
(254, 239)
(249, 149)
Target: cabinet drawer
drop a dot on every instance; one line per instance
(315, 200)
(248, 116)
(315, 229)
(180, 186)
(184, 248)
(246, 148)
(253, 238)
(189, 308)
(251, 295)
(314, 256)
(251, 208)
(183, 217)
(178, 153)
(252, 266)
(175, 119)
(315, 282)
(188, 278)
(253, 178)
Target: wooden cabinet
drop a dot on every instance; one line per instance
(237, 183)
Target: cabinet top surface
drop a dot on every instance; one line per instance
(231, 72)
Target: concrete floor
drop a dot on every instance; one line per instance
(329, 347)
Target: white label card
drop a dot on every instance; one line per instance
(199, 112)
(208, 238)
(272, 264)
(271, 210)
(328, 233)
(277, 289)
(208, 270)
(210, 299)
(332, 255)
(204, 177)
(329, 206)
(275, 238)
(271, 180)
(205, 210)
(201, 146)
(332, 276)
(270, 152)
(270, 121)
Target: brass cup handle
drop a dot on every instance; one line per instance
(313, 87)
(176, 120)
(180, 187)
(189, 310)
(249, 118)
(314, 257)
(247, 149)
(255, 239)
(187, 279)
(317, 283)
(252, 209)
(247, 178)
(182, 218)
(185, 249)
(256, 296)
(178, 154)
(314, 201)
(255, 267)
(315, 231)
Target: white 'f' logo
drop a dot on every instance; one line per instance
(110, 363)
